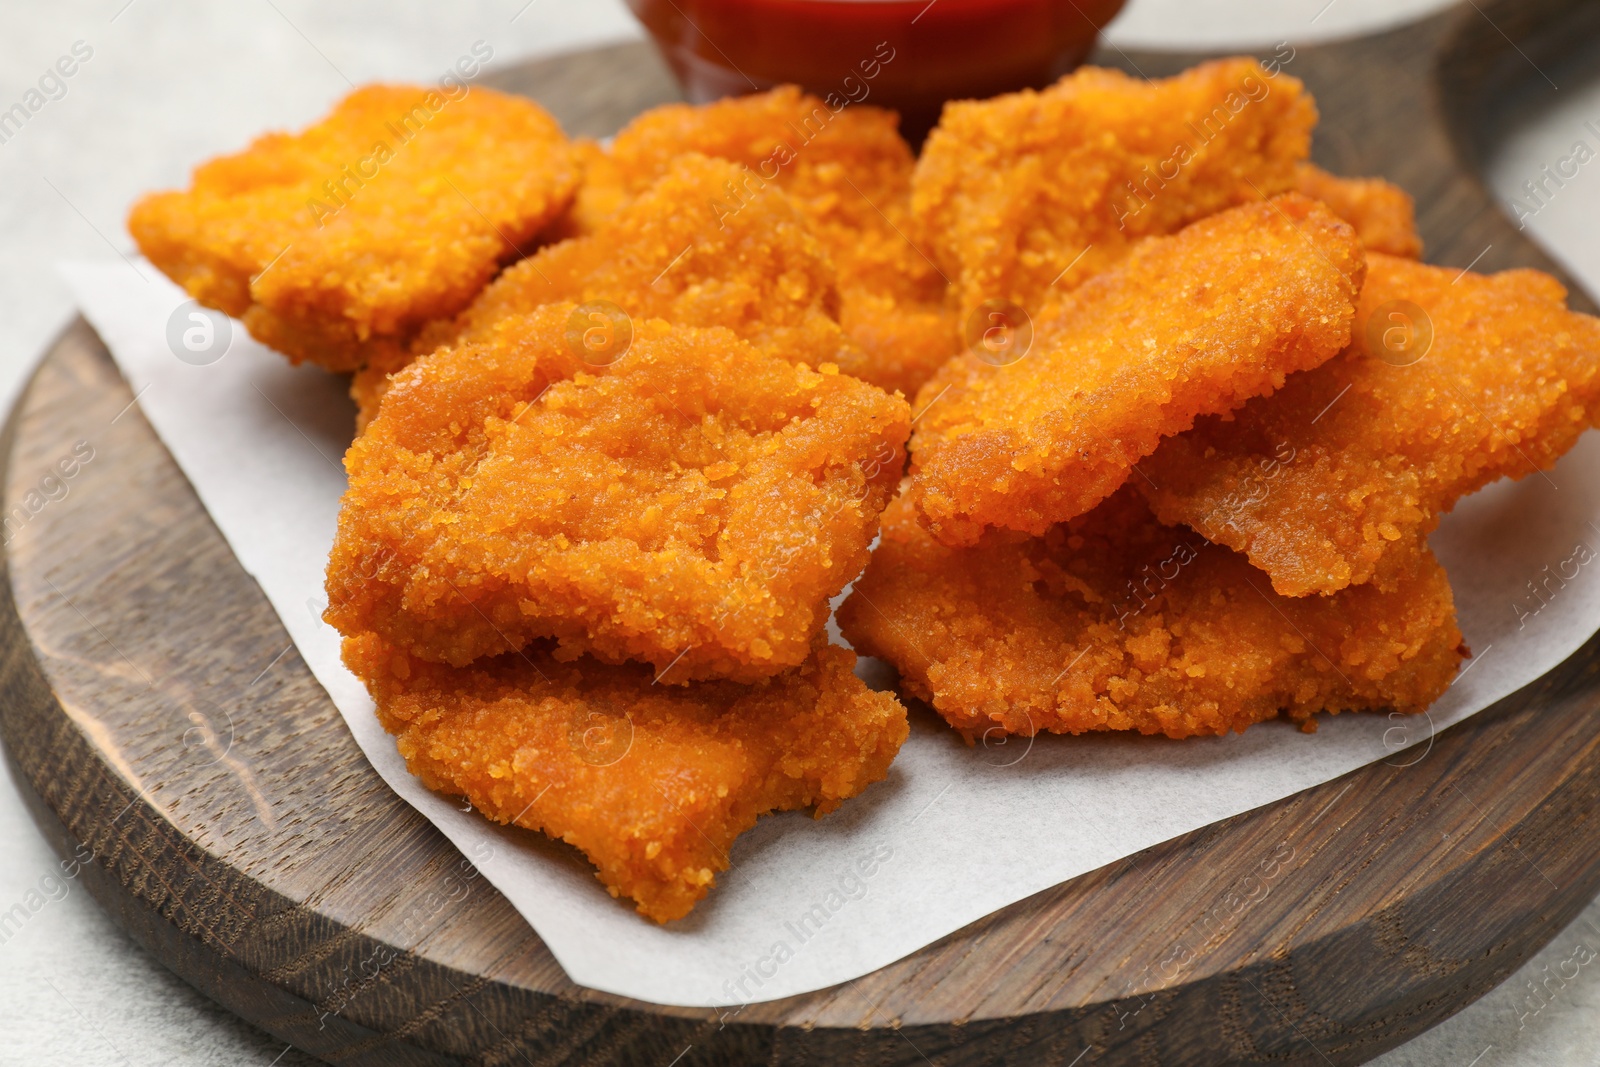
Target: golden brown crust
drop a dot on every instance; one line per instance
(367, 387)
(600, 194)
(849, 174)
(1337, 478)
(844, 169)
(1186, 325)
(693, 505)
(1024, 196)
(670, 254)
(1113, 622)
(652, 783)
(903, 342)
(335, 244)
(1382, 213)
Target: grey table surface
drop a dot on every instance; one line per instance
(170, 82)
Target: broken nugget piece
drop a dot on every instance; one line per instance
(1024, 196)
(1114, 622)
(1452, 380)
(1383, 214)
(336, 244)
(1192, 324)
(692, 504)
(652, 783)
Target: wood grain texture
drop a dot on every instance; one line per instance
(155, 708)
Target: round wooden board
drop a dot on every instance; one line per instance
(159, 716)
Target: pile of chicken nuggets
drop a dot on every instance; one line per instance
(1117, 413)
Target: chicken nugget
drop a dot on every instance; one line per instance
(760, 272)
(1383, 214)
(1114, 622)
(848, 171)
(336, 244)
(367, 387)
(896, 307)
(1187, 325)
(1024, 196)
(670, 254)
(600, 194)
(1452, 380)
(902, 342)
(652, 783)
(844, 167)
(693, 504)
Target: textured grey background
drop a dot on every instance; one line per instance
(173, 81)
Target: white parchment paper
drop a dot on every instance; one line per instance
(954, 833)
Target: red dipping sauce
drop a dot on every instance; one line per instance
(909, 55)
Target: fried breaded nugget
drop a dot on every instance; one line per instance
(1337, 478)
(902, 342)
(693, 504)
(334, 245)
(849, 173)
(600, 193)
(1024, 196)
(1383, 214)
(1191, 324)
(652, 783)
(1113, 622)
(759, 271)
(367, 387)
(843, 168)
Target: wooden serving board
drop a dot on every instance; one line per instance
(158, 715)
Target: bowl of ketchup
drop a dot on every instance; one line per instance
(908, 55)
